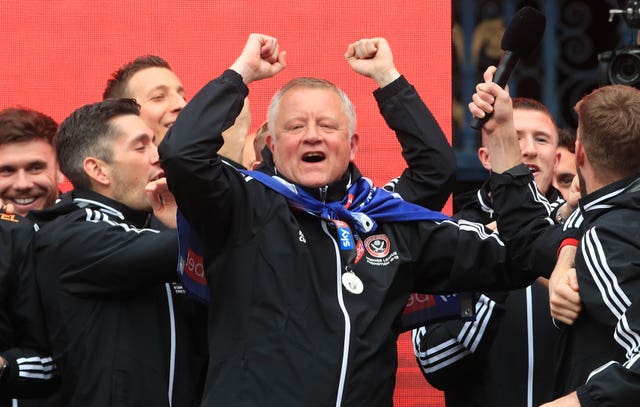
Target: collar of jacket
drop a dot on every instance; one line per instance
(622, 193)
(80, 198)
(329, 193)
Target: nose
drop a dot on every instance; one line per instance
(528, 147)
(178, 102)
(312, 135)
(23, 181)
(154, 157)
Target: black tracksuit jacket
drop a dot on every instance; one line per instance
(282, 330)
(507, 355)
(600, 358)
(23, 342)
(122, 332)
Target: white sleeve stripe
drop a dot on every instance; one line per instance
(483, 328)
(478, 229)
(31, 375)
(596, 203)
(598, 370)
(475, 329)
(452, 350)
(47, 368)
(605, 279)
(427, 368)
(42, 360)
(94, 216)
(538, 197)
(611, 293)
(574, 220)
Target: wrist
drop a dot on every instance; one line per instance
(385, 78)
(3, 366)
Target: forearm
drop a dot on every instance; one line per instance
(27, 374)
(195, 173)
(430, 173)
(453, 352)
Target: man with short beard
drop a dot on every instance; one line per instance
(121, 330)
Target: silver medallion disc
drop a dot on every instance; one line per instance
(352, 283)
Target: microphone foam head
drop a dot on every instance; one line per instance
(524, 32)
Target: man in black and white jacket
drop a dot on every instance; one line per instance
(26, 370)
(308, 266)
(122, 330)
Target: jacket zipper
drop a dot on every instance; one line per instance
(347, 319)
(172, 354)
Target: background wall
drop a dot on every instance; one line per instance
(57, 56)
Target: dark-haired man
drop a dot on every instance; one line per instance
(29, 174)
(122, 332)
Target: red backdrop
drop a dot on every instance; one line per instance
(57, 56)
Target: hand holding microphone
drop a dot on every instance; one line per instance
(522, 36)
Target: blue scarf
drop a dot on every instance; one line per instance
(362, 208)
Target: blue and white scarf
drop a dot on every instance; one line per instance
(362, 208)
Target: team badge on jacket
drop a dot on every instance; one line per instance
(377, 245)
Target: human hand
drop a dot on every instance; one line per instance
(372, 58)
(574, 192)
(570, 400)
(162, 202)
(499, 131)
(564, 298)
(6, 207)
(260, 58)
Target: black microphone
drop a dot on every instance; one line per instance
(522, 36)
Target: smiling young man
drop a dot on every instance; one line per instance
(151, 82)
(513, 331)
(29, 174)
(121, 331)
(309, 267)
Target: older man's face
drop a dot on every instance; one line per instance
(311, 145)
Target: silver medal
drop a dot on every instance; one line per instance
(352, 283)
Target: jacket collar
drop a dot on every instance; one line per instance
(75, 199)
(622, 193)
(328, 193)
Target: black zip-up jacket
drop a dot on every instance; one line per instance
(282, 330)
(507, 355)
(600, 359)
(122, 332)
(23, 342)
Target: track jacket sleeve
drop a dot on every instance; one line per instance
(431, 165)
(99, 256)
(609, 258)
(198, 178)
(30, 371)
(465, 257)
(452, 352)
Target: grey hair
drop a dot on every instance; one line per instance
(311, 83)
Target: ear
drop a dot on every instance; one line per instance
(483, 156)
(97, 170)
(59, 175)
(271, 143)
(355, 142)
(580, 156)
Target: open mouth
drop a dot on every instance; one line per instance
(157, 176)
(312, 157)
(25, 201)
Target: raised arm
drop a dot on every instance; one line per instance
(430, 173)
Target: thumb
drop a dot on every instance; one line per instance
(573, 280)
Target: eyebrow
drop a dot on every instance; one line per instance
(164, 88)
(140, 138)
